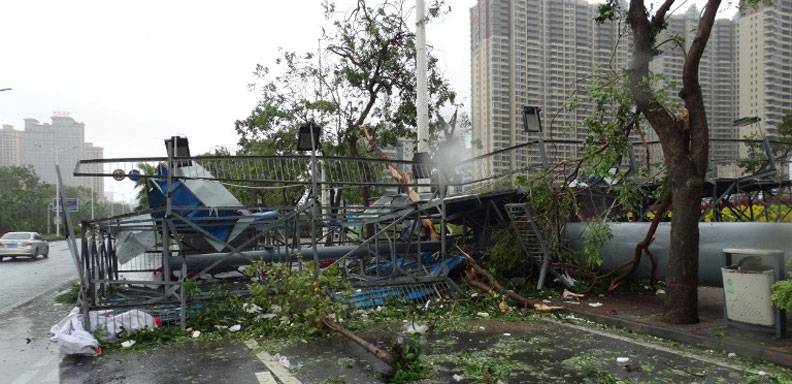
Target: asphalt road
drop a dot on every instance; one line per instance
(23, 279)
(27, 311)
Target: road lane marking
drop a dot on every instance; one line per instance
(278, 371)
(265, 378)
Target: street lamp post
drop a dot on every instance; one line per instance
(308, 140)
(58, 206)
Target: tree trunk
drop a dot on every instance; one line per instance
(684, 137)
(682, 271)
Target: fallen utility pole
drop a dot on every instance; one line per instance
(384, 356)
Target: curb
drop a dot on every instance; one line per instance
(51, 291)
(768, 354)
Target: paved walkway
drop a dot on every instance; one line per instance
(643, 313)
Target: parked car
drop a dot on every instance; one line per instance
(28, 244)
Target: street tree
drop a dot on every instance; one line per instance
(363, 74)
(683, 133)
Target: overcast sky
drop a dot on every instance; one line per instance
(136, 72)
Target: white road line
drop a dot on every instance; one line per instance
(275, 369)
(655, 347)
(265, 378)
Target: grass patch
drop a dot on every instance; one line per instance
(69, 295)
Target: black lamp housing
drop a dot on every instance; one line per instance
(421, 165)
(532, 121)
(304, 142)
(182, 149)
(743, 121)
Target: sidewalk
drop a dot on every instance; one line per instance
(531, 351)
(642, 313)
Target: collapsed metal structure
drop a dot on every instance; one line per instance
(197, 231)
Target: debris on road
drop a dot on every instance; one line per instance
(413, 328)
(572, 296)
(251, 308)
(127, 343)
(384, 356)
(282, 360)
(72, 338)
(130, 322)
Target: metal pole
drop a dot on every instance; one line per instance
(422, 91)
(421, 77)
(313, 201)
(93, 181)
(442, 215)
(166, 273)
(58, 206)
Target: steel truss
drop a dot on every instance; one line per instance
(373, 245)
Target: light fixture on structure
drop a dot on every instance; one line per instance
(532, 122)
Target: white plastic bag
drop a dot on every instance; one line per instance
(72, 338)
(131, 321)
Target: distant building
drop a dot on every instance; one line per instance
(42, 145)
(535, 53)
(765, 64)
(544, 52)
(96, 184)
(10, 146)
(402, 150)
(717, 76)
(45, 144)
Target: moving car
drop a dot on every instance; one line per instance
(28, 244)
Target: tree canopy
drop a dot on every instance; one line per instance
(362, 74)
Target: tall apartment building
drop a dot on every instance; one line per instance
(543, 52)
(42, 145)
(765, 64)
(717, 76)
(10, 143)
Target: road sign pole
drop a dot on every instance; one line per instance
(57, 209)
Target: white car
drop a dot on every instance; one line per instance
(28, 244)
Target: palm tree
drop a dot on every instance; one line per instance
(142, 185)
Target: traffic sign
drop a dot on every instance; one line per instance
(134, 175)
(72, 205)
(119, 174)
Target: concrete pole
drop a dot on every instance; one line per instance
(421, 77)
(58, 206)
